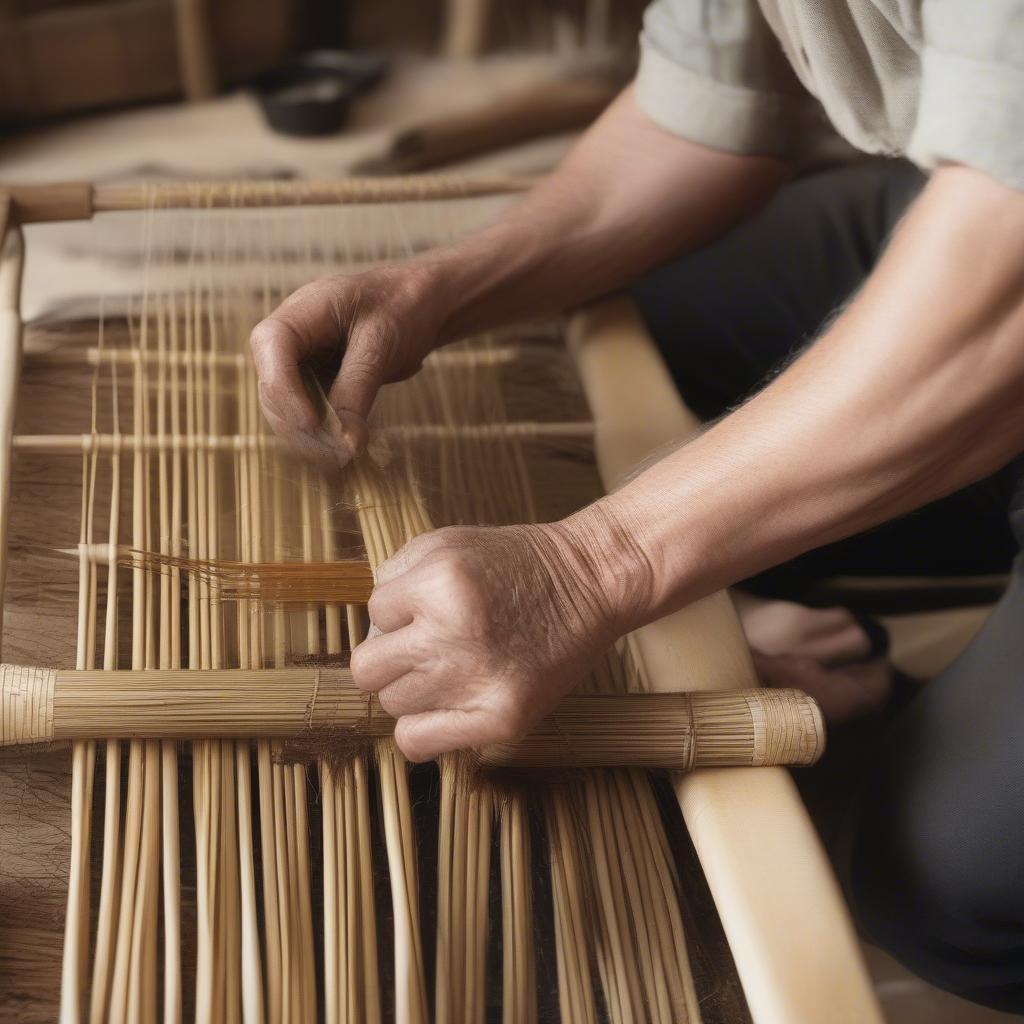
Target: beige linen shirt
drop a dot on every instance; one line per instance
(932, 80)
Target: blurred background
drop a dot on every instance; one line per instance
(340, 79)
(144, 90)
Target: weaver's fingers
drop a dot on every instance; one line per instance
(411, 694)
(380, 660)
(310, 324)
(393, 605)
(367, 365)
(278, 350)
(425, 736)
(410, 555)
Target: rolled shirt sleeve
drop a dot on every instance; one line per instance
(971, 106)
(713, 72)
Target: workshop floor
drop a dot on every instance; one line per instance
(227, 138)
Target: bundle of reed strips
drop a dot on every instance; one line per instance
(677, 731)
(361, 890)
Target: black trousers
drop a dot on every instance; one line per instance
(938, 866)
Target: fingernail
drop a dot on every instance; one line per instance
(348, 434)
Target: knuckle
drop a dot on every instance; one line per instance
(511, 720)
(389, 701)
(410, 742)
(358, 665)
(361, 374)
(421, 647)
(457, 576)
(377, 606)
(267, 334)
(510, 728)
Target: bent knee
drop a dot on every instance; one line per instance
(951, 912)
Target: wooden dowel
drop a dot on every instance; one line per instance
(78, 444)
(538, 109)
(466, 24)
(642, 730)
(757, 893)
(196, 61)
(65, 200)
(499, 355)
(80, 200)
(11, 262)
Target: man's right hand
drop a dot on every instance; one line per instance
(628, 196)
(353, 333)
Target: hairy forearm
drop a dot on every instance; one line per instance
(912, 393)
(628, 196)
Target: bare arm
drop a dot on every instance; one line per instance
(913, 392)
(626, 197)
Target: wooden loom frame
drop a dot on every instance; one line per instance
(788, 927)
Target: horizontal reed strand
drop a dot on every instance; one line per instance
(678, 731)
(58, 201)
(341, 582)
(79, 444)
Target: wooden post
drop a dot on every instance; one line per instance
(466, 25)
(787, 923)
(11, 250)
(195, 49)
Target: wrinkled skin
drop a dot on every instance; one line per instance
(352, 333)
(479, 632)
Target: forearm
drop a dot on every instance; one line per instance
(628, 196)
(912, 393)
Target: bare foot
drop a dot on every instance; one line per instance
(818, 650)
(843, 693)
(831, 636)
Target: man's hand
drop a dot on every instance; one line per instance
(353, 334)
(628, 196)
(480, 631)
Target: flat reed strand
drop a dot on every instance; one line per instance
(376, 504)
(256, 997)
(132, 997)
(351, 982)
(169, 502)
(109, 889)
(289, 780)
(335, 582)
(76, 924)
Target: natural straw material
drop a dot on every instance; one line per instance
(26, 704)
(680, 731)
(348, 582)
(80, 200)
(85, 444)
(173, 391)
